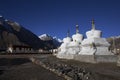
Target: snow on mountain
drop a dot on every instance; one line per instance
(59, 40)
(45, 37)
(53, 41)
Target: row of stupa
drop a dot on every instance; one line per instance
(94, 44)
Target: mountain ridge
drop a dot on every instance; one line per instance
(13, 33)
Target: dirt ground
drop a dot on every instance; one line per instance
(17, 68)
(23, 69)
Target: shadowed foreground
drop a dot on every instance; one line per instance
(17, 67)
(24, 69)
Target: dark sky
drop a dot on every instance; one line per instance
(55, 17)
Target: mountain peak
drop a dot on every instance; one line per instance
(51, 41)
(59, 40)
(45, 37)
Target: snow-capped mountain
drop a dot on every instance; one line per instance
(54, 42)
(45, 37)
(13, 33)
(59, 40)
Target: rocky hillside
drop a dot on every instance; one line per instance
(115, 43)
(12, 33)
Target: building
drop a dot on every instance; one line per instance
(20, 49)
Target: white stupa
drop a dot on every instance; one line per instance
(62, 50)
(74, 46)
(69, 48)
(94, 44)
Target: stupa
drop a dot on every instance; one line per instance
(93, 49)
(94, 44)
(62, 50)
(69, 48)
(74, 46)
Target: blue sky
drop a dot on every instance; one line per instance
(55, 17)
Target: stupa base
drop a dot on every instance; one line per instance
(65, 56)
(96, 58)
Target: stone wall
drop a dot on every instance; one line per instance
(96, 58)
(65, 56)
(85, 58)
(118, 61)
(106, 58)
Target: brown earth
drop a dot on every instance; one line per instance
(12, 68)
(24, 69)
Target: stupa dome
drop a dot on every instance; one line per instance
(67, 40)
(64, 45)
(77, 37)
(93, 33)
(73, 44)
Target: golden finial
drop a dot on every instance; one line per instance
(93, 24)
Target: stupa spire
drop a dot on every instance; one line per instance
(77, 28)
(93, 24)
(68, 33)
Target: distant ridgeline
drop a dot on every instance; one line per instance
(12, 33)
